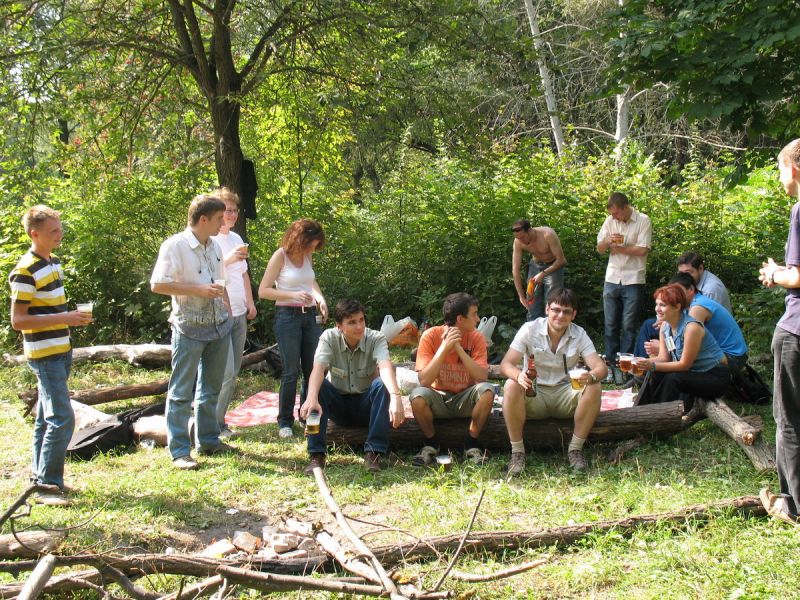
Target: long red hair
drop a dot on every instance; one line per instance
(300, 235)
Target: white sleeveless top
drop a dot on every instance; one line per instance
(295, 279)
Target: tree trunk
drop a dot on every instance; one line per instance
(624, 423)
(228, 157)
(623, 111)
(28, 544)
(760, 453)
(140, 355)
(546, 77)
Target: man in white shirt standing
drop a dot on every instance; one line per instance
(189, 269)
(626, 235)
(240, 293)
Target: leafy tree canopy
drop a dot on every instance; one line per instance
(735, 60)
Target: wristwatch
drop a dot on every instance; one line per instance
(592, 375)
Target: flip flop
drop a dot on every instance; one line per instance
(773, 504)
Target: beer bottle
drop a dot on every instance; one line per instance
(531, 373)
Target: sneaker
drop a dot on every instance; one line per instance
(317, 460)
(55, 498)
(221, 448)
(577, 461)
(226, 434)
(775, 505)
(184, 463)
(517, 464)
(474, 455)
(285, 432)
(372, 461)
(425, 456)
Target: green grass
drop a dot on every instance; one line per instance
(133, 500)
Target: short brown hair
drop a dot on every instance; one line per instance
(672, 294)
(790, 153)
(226, 195)
(35, 217)
(204, 205)
(563, 297)
(617, 199)
(301, 234)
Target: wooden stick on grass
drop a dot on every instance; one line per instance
(461, 544)
(357, 542)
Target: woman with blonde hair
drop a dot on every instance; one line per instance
(289, 280)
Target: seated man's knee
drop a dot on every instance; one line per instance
(591, 395)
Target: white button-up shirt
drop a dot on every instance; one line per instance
(636, 231)
(183, 259)
(552, 367)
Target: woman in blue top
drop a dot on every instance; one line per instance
(689, 363)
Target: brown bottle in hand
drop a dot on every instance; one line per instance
(531, 373)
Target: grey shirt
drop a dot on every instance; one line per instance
(351, 371)
(712, 287)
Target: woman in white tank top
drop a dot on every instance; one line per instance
(289, 280)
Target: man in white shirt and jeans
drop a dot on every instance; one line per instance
(189, 269)
(240, 293)
(626, 235)
(557, 346)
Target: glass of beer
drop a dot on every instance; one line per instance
(625, 361)
(85, 307)
(617, 238)
(636, 363)
(574, 378)
(312, 423)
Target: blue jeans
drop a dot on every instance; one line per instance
(550, 282)
(621, 304)
(204, 361)
(786, 410)
(297, 334)
(232, 366)
(55, 420)
(370, 409)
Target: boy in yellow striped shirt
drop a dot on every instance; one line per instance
(39, 310)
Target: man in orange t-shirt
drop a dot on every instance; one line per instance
(452, 366)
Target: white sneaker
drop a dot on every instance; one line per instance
(285, 432)
(52, 499)
(184, 463)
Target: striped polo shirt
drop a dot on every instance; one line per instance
(39, 283)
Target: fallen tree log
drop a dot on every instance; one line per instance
(27, 544)
(760, 453)
(652, 419)
(39, 577)
(125, 392)
(721, 415)
(391, 554)
(140, 355)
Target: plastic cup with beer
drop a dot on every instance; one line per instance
(617, 238)
(312, 422)
(220, 282)
(637, 365)
(625, 361)
(575, 376)
(85, 307)
(245, 248)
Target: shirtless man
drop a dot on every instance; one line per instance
(545, 267)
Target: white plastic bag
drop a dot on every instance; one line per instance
(390, 329)
(486, 327)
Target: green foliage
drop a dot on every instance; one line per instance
(731, 60)
(435, 227)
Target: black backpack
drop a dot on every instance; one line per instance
(748, 387)
(115, 432)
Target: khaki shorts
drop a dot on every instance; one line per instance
(447, 405)
(554, 401)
